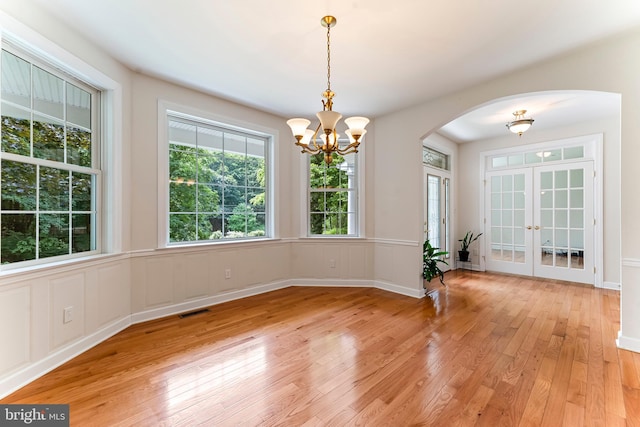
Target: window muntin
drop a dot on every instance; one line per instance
(48, 163)
(333, 195)
(217, 182)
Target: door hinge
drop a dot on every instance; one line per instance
(594, 270)
(594, 221)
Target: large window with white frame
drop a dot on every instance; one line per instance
(217, 189)
(333, 195)
(49, 163)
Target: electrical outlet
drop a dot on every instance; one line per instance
(227, 273)
(332, 263)
(67, 315)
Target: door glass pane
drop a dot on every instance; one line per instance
(561, 179)
(576, 219)
(507, 223)
(546, 180)
(561, 199)
(447, 215)
(561, 218)
(433, 210)
(577, 198)
(519, 254)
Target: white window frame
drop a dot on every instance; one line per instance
(108, 129)
(167, 109)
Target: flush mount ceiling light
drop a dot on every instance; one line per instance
(325, 137)
(520, 124)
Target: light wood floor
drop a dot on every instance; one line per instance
(487, 350)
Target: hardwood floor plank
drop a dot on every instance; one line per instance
(487, 350)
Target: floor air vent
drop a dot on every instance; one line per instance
(193, 313)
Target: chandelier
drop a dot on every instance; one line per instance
(520, 125)
(325, 138)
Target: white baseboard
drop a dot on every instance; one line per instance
(35, 370)
(611, 285)
(170, 310)
(626, 343)
(349, 283)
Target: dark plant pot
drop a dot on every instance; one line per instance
(463, 255)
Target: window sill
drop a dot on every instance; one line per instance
(18, 273)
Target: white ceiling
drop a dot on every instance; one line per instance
(385, 55)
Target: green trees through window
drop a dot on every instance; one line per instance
(217, 186)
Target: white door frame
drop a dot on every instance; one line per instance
(593, 150)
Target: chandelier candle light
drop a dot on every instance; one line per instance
(520, 124)
(326, 141)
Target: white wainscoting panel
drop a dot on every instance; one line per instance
(15, 328)
(67, 292)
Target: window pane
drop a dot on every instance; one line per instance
(16, 80)
(54, 189)
(48, 139)
(78, 106)
(47, 93)
(82, 188)
(81, 233)
(573, 153)
(18, 237)
(182, 227)
(16, 130)
(78, 147)
(18, 186)
(182, 197)
(54, 235)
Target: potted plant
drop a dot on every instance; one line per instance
(430, 258)
(469, 238)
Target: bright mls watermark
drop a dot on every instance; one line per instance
(34, 415)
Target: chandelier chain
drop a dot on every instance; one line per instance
(328, 58)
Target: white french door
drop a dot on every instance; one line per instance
(437, 213)
(540, 221)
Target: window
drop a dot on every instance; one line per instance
(48, 163)
(217, 182)
(333, 195)
(435, 158)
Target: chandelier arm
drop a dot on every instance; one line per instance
(347, 150)
(306, 149)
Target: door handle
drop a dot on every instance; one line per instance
(529, 227)
(537, 228)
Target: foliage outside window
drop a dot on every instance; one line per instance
(48, 163)
(333, 196)
(217, 183)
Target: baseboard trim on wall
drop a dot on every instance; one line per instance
(611, 285)
(170, 310)
(31, 372)
(350, 283)
(626, 343)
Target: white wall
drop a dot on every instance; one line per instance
(608, 66)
